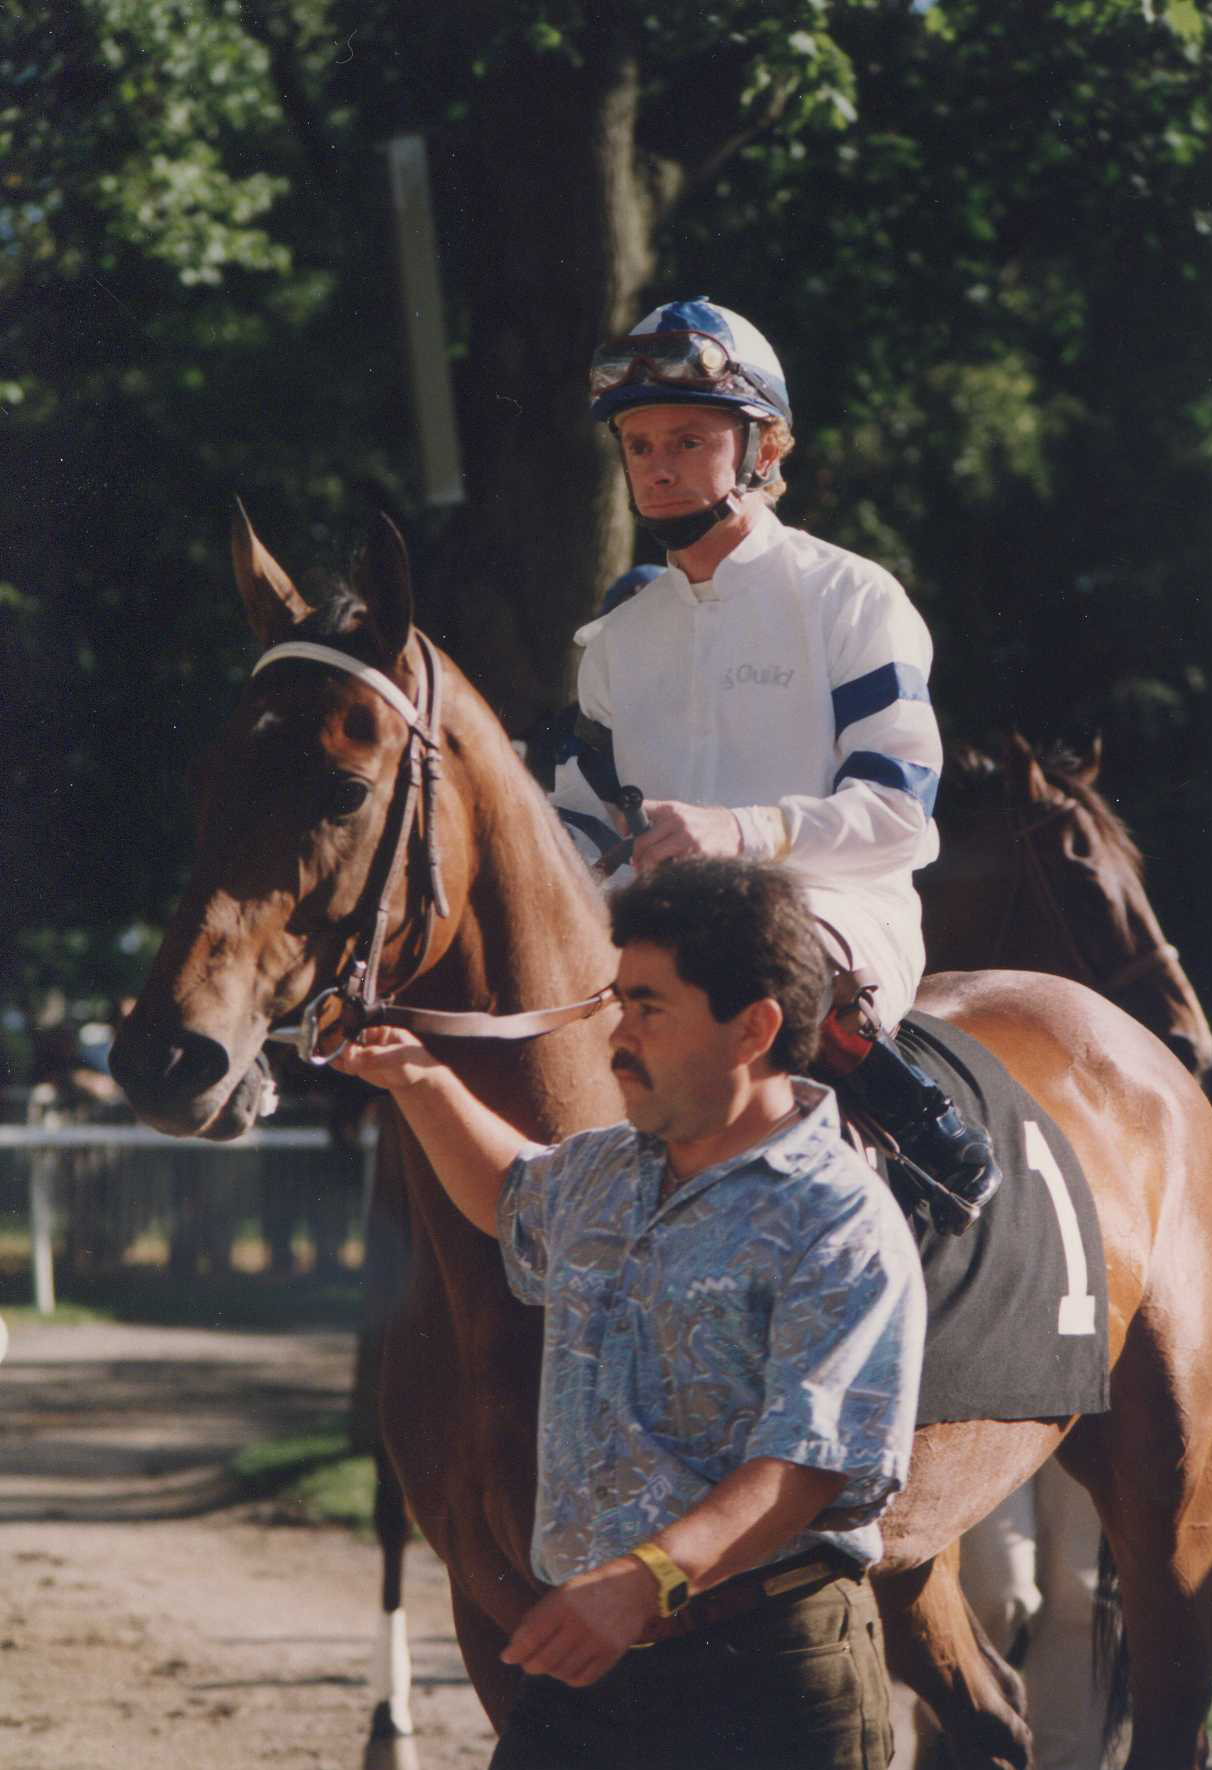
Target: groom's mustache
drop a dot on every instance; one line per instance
(621, 1064)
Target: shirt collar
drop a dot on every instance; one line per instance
(730, 574)
(782, 1152)
(819, 1119)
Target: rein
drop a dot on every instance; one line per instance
(340, 1013)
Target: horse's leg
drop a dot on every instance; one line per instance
(481, 1642)
(960, 1471)
(390, 1744)
(1147, 1464)
(1066, 1700)
(934, 1644)
(384, 1276)
(998, 1570)
(1153, 1489)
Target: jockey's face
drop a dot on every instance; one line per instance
(675, 1062)
(679, 459)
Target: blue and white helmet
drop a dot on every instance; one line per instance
(751, 380)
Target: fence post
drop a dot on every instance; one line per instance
(42, 1216)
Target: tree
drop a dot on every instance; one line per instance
(975, 236)
(201, 300)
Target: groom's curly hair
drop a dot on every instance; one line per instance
(739, 930)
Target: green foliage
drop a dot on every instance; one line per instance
(979, 236)
(999, 347)
(122, 113)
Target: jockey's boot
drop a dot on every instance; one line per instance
(904, 1101)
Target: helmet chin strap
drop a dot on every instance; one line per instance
(676, 532)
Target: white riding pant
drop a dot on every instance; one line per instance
(885, 938)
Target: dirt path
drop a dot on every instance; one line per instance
(144, 1619)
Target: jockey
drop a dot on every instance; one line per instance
(557, 741)
(767, 693)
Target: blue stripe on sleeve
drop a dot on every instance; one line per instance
(876, 690)
(886, 771)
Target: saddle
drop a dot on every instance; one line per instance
(1017, 1322)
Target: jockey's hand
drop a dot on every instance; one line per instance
(680, 831)
(583, 1628)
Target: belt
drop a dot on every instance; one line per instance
(747, 1591)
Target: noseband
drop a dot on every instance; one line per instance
(354, 1002)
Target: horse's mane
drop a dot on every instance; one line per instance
(338, 611)
(975, 782)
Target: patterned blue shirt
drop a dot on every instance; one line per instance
(772, 1307)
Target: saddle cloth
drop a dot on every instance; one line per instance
(1017, 1325)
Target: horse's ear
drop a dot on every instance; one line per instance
(1024, 775)
(383, 579)
(273, 604)
(1086, 772)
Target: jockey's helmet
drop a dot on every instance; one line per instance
(689, 353)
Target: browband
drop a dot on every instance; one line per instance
(340, 660)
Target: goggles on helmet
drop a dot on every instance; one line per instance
(674, 359)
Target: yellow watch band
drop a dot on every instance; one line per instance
(673, 1586)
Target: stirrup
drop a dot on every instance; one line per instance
(957, 1199)
(951, 1162)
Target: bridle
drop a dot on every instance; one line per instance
(341, 1012)
(1030, 871)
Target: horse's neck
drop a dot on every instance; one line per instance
(988, 903)
(531, 933)
(981, 909)
(533, 921)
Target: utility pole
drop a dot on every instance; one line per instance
(422, 321)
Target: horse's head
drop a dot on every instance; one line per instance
(1038, 873)
(300, 807)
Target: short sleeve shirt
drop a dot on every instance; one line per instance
(773, 1306)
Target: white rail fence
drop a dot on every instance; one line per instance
(136, 1157)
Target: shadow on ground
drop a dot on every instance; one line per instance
(141, 1417)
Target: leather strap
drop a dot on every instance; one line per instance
(435, 1022)
(739, 1596)
(391, 692)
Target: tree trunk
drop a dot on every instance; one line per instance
(560, 223)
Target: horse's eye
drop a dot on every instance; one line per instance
(342, 796)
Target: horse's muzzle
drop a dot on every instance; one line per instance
(174, 1081)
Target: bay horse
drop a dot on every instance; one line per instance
(1038, 873)
(299, 821)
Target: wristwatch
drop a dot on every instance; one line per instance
(673, 1585)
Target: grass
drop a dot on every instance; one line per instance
(67, 1314)
(231, 1300)
(305, 1480)
(311, 1479)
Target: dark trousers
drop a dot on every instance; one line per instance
(796, 1684)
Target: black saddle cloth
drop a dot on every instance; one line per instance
(1017, 1324)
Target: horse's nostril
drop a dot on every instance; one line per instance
(178, 1068)
(196, 1064)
